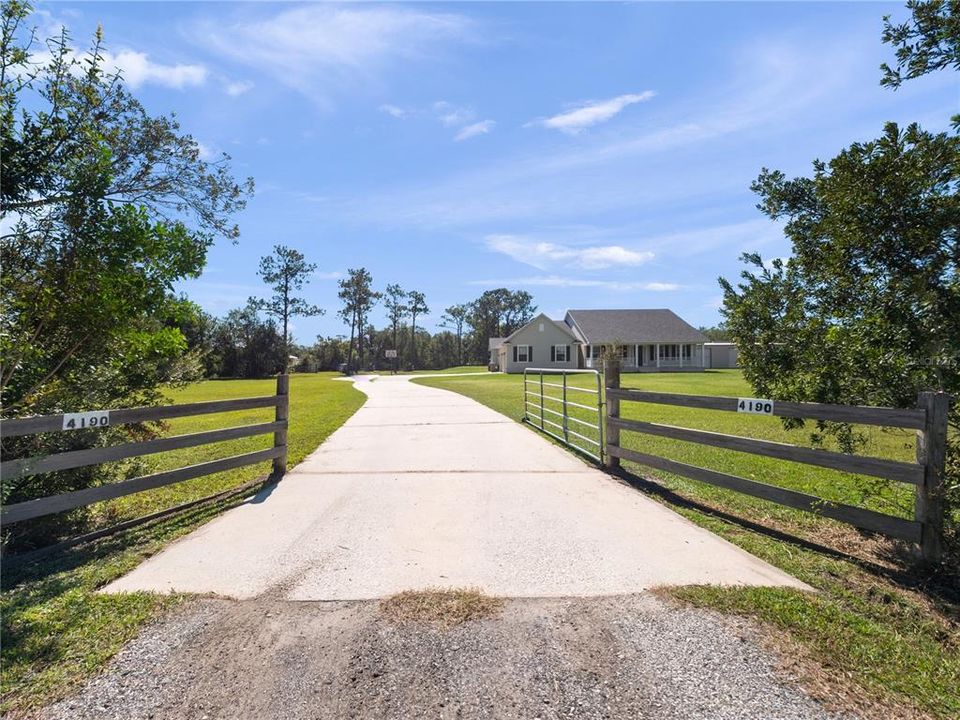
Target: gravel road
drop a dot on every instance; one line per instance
(632, 656)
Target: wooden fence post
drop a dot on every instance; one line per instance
(280, 435)
(611, 381)
(932, 453)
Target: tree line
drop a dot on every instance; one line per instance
(255, 340)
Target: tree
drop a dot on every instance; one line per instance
(928, 42)
(105, 208)
(497, 313)
(417, 307)
(455, 317)
(286, 271)
(518, 310)
(397, 310)
(716, 334)
(359, 298)
(246, 345)
(867, 309)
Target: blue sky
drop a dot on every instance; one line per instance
(597, 155)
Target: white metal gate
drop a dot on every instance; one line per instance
(548, 407)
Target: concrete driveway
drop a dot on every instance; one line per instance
(423, 487)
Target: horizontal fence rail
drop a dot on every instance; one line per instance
(908, 418)
(928, 418)
(585, 434)
(24, 467)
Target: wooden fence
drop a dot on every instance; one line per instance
(15, 469)
(929, 418)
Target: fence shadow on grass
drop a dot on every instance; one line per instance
(941, 587)
(37, 567)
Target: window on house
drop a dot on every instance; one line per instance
(522, 353)
(687, 351)
(669, 352)
(560, 353)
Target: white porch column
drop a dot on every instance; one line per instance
(680, 348)
(658, 354)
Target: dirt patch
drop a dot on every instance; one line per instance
(629, 656)
(445, 607)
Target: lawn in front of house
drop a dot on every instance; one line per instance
(865, 640)
(456, 369)
(57, 630)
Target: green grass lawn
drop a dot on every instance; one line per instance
(879, 636)
(56, 629)
(445, 371)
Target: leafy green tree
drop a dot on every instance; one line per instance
(328, 352)
(928, 41)
(867, 308)
(455, 317)
(716, 334)
(497, 313)
(247, 345)
(105, 208)
(358, 298)
(108, 207)
(395, 301)
(417, 307)
(286, 271)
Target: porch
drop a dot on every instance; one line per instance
(650, 357)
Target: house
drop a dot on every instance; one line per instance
(648, 340)
(542, 342)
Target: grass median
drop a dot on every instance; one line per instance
(877, 637)
(57, 630)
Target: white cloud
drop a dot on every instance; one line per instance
(394, 111)
(137, 69)
(479, 128)
(447, 114)
(452, 115)
(235, 89)
(205, 151)
(543, 255)
(333, 275)
(315, 48)
(564, 282)
(591, 113)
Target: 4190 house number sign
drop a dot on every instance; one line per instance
(756, 406)
(82, 420)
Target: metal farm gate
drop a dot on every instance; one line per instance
(547, 406)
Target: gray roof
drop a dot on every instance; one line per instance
(633, 326)
(494, 343)
(566, 328)
(559, 323)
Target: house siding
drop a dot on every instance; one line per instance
(540, 340)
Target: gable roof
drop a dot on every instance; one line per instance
(543, 318)
(633, 326)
